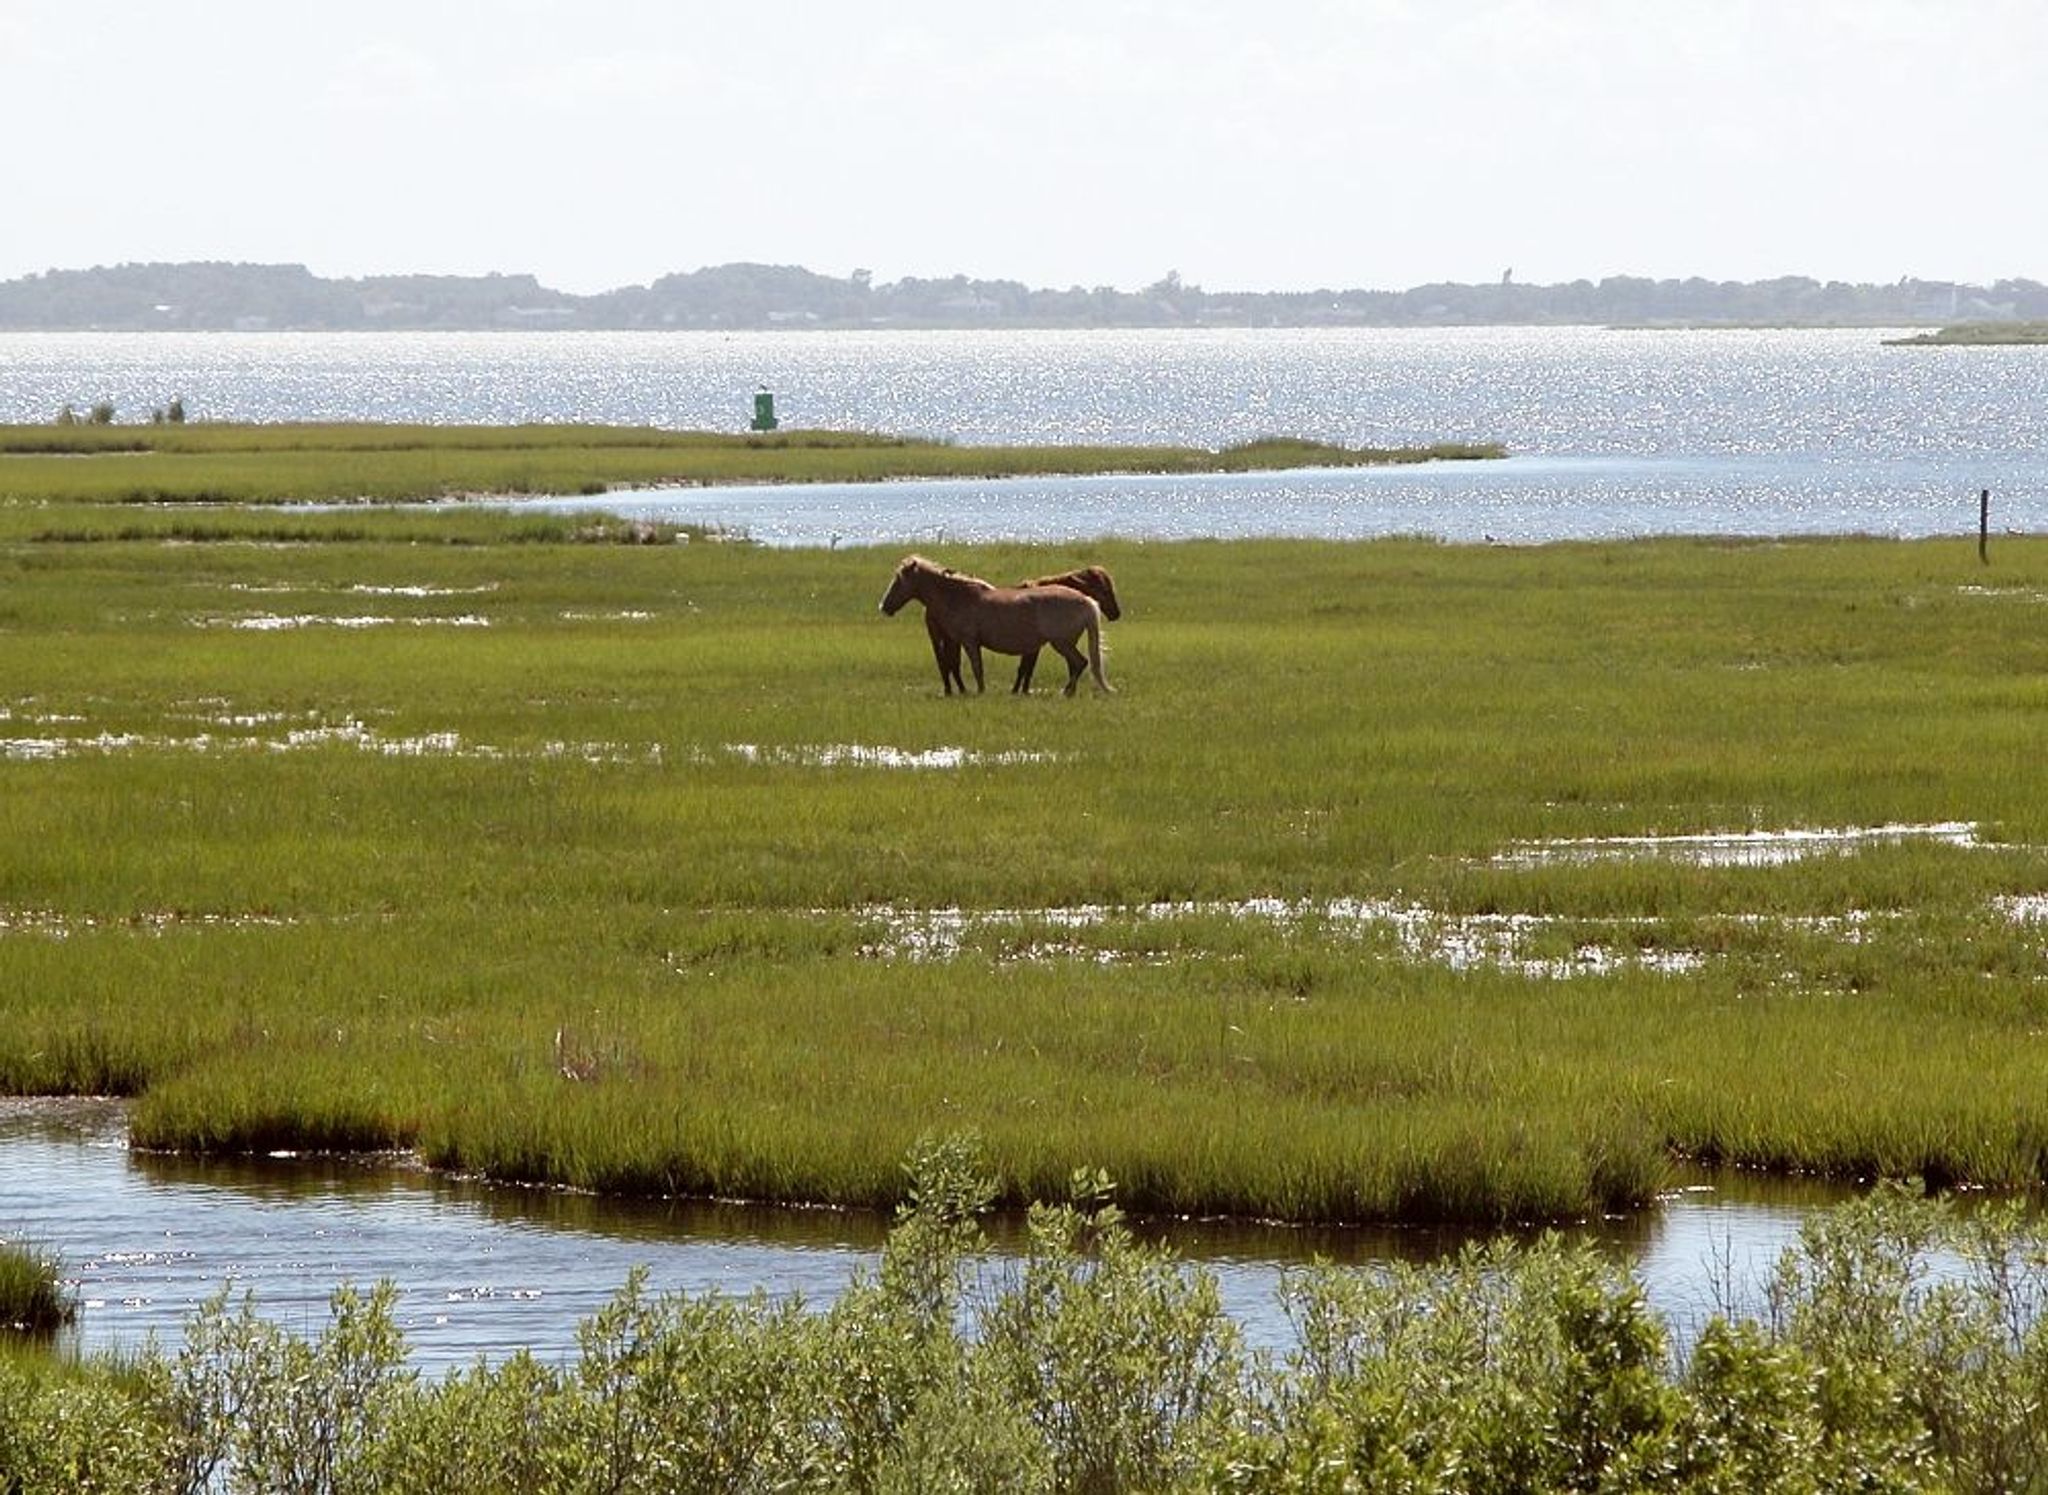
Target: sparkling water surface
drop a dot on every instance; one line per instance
(1542, 391)
(1614, 433)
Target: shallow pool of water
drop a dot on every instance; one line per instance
(484, 1269)
(1518, 500)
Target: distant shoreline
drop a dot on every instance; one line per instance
(1924, 332)
(220, 297)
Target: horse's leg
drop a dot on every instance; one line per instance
(942, 647)
(974, 658)
(1026, 663)
(1076, 662)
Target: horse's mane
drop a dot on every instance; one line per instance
(957, 580)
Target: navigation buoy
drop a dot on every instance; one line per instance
(764, 412)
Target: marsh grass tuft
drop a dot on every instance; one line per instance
(33, 1298)
(1281, 452)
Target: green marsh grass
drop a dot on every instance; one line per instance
(208, 463)
(32, 1295)
(1976, 335)
(186, 523)
(583, 896)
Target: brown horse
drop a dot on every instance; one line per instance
(1009, 620)
(1093, 580)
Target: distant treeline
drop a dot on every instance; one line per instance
(221, 296)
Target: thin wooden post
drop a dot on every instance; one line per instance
(1984, 527)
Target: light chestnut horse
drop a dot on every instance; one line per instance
(1093, 580)
(1008, 620)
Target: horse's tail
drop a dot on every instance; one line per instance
(1095, 645)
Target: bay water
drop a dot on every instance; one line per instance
(1611, 433)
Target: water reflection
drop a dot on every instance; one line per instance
(483, 1269)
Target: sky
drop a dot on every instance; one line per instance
(1277, 145)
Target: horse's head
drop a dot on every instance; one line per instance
(1096, 583)
(903, 586)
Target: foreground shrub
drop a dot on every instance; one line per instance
(1504, 1369)
(1122, 1361)
(88, 1429)
(257, 1408)
(1902, 1348)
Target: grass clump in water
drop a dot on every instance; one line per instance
(33, 1298)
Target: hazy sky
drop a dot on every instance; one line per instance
(1286, 144)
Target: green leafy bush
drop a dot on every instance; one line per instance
(1902, 1349)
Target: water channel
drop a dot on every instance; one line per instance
(484, 1269)
(1515, 501)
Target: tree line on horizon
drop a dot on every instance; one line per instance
(219, 296)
